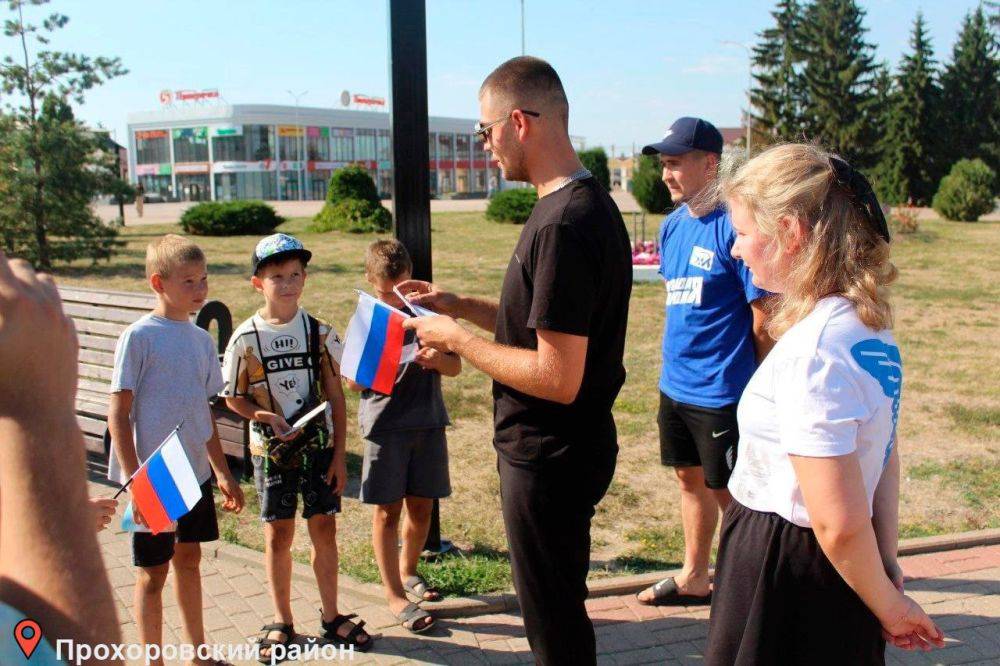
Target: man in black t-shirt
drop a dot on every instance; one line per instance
(556, 361)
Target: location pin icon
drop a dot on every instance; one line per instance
(27, 633)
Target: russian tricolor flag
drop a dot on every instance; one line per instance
(374, 344)
(164, 488)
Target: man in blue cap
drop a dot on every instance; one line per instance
(713, 339)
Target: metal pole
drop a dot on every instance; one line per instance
(299, 133)
(409, 125)
(522, 28)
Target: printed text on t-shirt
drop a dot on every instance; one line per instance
(684, 291)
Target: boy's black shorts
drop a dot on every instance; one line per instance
(279, 489)
(693, 436)
(196, 526)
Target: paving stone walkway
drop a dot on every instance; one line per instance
(960, 589)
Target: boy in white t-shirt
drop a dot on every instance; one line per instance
(280, 364)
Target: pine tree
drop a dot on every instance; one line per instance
(777, 59)
(840, 103)
(881, 175)
(971, 90)
(50, 149)
(912, 160)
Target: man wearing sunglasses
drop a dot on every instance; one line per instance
(556, 361)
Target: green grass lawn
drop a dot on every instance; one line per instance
(948, 317)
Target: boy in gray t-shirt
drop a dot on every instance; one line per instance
(165, 373)
(406, 452)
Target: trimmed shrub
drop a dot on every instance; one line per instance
(966, 192)
(351, 182)
(230, 218)
(513, 206)
(353, 215)
(647, 185)
(596, 161)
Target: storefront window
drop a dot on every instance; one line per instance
(462, 157)
(342, 140)
(384, 146)
(445, 183)
(432, 149)
(159, 184)
(364, 145)
(151, 147)
(446, 146)
(318, 144)
(242, 143)
(193, 187)
(385, 183)
(290, 139)
(247, 185)
(319, 181)
(190, 144)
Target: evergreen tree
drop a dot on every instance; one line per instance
(840, 103)
(60, 168)
(912, 160)
(881, 174)
(596, 160)
(971, 90)
(648, 187)
(777, 57)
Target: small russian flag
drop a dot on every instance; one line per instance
(164, 488)
(374, 344)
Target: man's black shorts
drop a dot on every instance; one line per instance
(196, 526)
(692, 436)
(279, 489)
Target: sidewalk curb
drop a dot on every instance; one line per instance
(503, 602)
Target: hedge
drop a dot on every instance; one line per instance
(230, 218)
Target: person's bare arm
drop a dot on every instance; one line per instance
(552, 372)
(249, 410)
(479, 311)
(885, 517)
(50, 566)
(762, 340)
(120, 428)
(228, 484)
(834, 495)
(334, 392)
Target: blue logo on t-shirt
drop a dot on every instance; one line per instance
(882, 361)
(708, 353)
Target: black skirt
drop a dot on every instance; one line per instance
(779, 600)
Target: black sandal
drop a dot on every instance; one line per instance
(263, 642)
(666, 593)
(411, 616)
(351, 639)
(418, 587)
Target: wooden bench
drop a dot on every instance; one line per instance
(100, 317)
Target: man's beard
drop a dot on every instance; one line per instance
(514, 168)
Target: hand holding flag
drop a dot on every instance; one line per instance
(164, 488)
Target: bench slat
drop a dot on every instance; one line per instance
(94, 444)
(112, 330)
(97, 357)
(95, 387)
(102, 313)
(94, 372)
(91, 426)
(97, 342)
(120, 299)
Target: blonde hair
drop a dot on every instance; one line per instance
(843, 253)
(387, 260)
(165, 254)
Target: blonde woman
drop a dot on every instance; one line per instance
(807, 569)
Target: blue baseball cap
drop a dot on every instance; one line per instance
(275, 248)
(685, 135)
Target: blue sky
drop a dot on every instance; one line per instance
(630, 66)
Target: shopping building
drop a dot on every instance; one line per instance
(255, 151)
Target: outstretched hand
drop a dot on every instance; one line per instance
(438, 332)
(428, 295)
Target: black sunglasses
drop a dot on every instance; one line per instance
(482, 131)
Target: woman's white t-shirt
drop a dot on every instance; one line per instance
(830, 387)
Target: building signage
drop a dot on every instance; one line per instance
(367, 100)
(227, 130)
(291, 165)
(198, 134)
(153, 169)
(191, 167)
(325, 166)
(317, 132)
(290, 130)
(147, 135)
(168, 97)
(237, 167)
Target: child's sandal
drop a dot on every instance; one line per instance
(265, 643)
(351, 639)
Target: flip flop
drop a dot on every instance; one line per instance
(411, 615)
(418, 587)
(666, 593)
